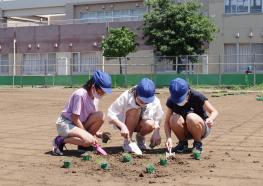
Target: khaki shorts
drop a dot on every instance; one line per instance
(64, 125)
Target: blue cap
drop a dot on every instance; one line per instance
(178, 89)
(145, 90)
(103, 81)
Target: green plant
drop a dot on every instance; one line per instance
(119, 43)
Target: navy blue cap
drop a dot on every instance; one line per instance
(103, 81)
(178, 89)
(145, 90)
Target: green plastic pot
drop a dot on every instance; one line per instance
(197, 155)
(163, 161)
(86, 157)
(67, 164)
(126, 158)
(104, 165)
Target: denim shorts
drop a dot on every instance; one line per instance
(64, 125)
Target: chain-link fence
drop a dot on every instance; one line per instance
(49, 69)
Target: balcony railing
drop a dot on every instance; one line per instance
(72, 21)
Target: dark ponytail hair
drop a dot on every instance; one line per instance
(133, 91)
(88, 84)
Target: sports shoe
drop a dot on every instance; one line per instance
(198, 146)
(58, 145)
(141, 141)
(181, 147)
(126, 146)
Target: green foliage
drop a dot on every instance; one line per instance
(177, 29)
(119, 42)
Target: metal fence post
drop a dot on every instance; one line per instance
(254, 70)
(219, 70)
(125, 61)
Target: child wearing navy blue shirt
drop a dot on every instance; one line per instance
(189, 115)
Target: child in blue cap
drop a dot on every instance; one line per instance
(137, 110)
(80, 120)
(187, 116)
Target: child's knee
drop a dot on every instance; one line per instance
(101, 116)
(176, 121)
(148, 125)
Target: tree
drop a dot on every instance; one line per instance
(176, 29)
(119, 43)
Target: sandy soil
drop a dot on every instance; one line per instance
(233, 152)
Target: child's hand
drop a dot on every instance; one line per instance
(169, 143)
(209, 122)
(124, 131)
(155, 139)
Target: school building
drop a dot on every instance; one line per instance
(63, 37)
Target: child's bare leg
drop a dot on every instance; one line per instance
(177, 124)
(94, 122)
(78, 136)
(132, 119)
(145, 127)
(195, 126)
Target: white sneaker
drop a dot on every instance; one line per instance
(126, 146)
(141, 142)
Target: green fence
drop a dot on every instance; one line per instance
(130, 80)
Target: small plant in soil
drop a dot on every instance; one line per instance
(150, 168)
(163, 160)
(126, 157)
(86, 157)
(103, 164)
(67, 163)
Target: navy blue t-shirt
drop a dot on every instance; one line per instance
(194, 105)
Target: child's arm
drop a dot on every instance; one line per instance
(116, 109)
(213, 113)
(76, 121)
(167, 128)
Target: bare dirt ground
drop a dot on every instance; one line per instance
(233, 153)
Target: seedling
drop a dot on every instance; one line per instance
(103, 164)
(126, 157)
(197, 154)
(150, 168)
(86, 157)
(163, 160)
(67, 164)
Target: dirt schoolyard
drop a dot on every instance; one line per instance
(233, 153)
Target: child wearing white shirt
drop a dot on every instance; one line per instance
(137, 110)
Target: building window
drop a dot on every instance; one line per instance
(4, 67)
(114, 15)
(76, 62)
(39, 64)
(255, 6)
(85, 63)
(239, 57)
(243, 6)
(230, 6)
